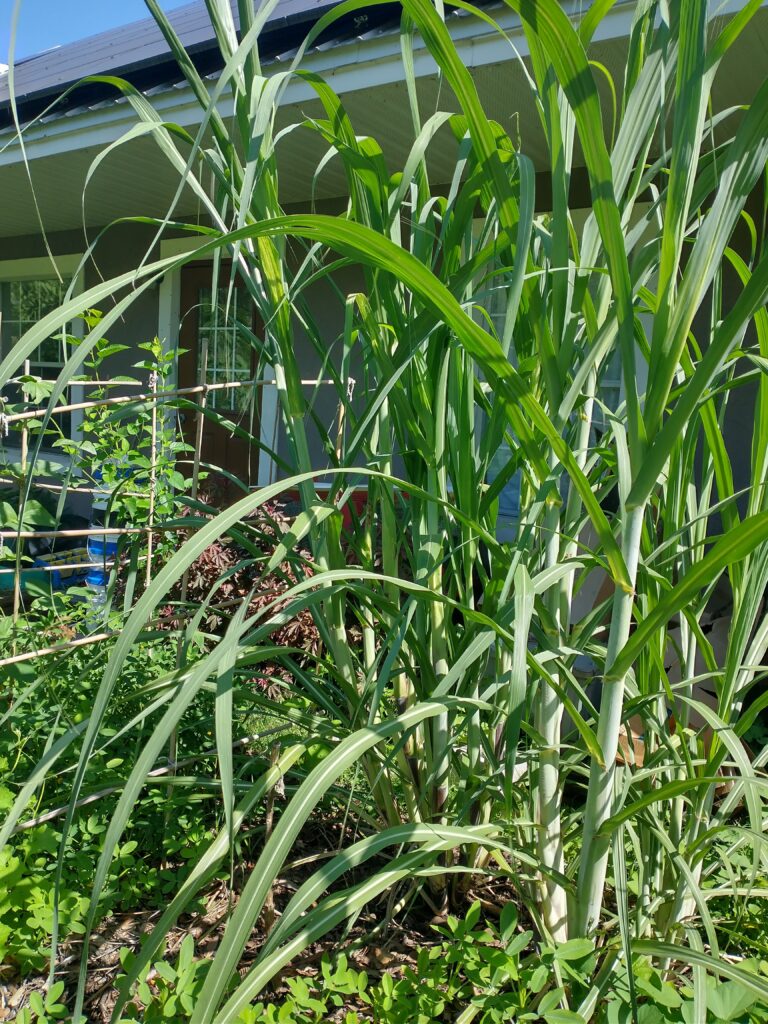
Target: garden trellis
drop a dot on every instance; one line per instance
(146, 398)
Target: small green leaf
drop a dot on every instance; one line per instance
(508, 921)
(55, 991)
(36, 1004)
(574, 949)
(186, 952)
(729, 1000)
(538, 979)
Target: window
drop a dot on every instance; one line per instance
(173, 306)
(494, 302)
(28, 292)
(610, 391)
(23, 304)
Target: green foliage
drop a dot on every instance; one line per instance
(44, 1008)
(493, 971)
(486, 337)
(114, 454)
(27, 901)
(27, 863)
(170, 992)
(480, 973)
(316, 1000)
(495, 976)
(35, 516)
(136, 881)
(667, 998)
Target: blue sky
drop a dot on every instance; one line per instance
(46, 23)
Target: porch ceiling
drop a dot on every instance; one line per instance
(136, 179)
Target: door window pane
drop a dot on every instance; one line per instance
(23, 304)
(221, 326)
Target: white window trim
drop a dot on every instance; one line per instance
(39, 268)
(169, 318)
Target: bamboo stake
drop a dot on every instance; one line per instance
(22, 483)
(202, 373)
(152, 477)
(199, 427)
(268, 917)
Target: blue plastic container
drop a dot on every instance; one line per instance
(101, 550)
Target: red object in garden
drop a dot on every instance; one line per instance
(358, 499)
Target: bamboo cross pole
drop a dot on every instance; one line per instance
(198, 389)
(112, 383)
(90, 531)
(76, 489)
(57, 568)
(43, 652)
(99, 531)
(179, 615)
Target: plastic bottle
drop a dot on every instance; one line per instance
(100, 549)
(97, 586)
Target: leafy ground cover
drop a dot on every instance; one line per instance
(486, 967)
(591, 841)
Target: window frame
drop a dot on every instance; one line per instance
(222, 335)
(613, 381)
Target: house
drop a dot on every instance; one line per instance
(360, 57)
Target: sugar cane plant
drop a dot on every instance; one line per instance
(449, 675)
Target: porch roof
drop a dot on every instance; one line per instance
(140, 53)
(134, 179)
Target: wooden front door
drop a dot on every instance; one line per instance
(221, 335)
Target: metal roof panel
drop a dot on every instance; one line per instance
(136, 45)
